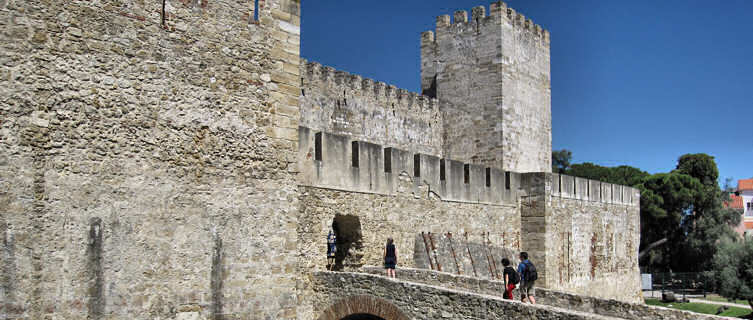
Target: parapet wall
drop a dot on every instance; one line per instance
(581, 303)
(337, 295)
(592, 238)
(378, 168)
(569, 187)
(370, 111)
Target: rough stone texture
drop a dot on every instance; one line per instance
(341, 103)
(137, 161)
(363, 305)
(420, 301)
(491, 76)
(152, 171)
(582, 245)
(456, 255)
(397, 216)
(592, 240)
(593, 305)
(336, 170)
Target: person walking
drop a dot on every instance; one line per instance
(390, 258)
(511, 279)
(528, 276)
(331, 250)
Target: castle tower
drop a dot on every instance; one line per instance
(492, 78)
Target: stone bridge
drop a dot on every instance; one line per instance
(424, 294)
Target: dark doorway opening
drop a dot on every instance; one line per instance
(347, 228)
(362, 316)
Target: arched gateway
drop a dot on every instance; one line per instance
(363, 307)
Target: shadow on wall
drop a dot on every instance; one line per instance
(443, 252)
(347, 229)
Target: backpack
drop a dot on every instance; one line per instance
(514, 278)
(530, 273)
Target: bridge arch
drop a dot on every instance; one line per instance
(363, 307)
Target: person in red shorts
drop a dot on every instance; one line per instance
(511, 279)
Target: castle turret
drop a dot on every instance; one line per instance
(492, 78)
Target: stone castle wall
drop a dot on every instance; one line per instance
(584, 233)
(593, 234)
(192, 169)
(147, 169)
(341, 103)
(491, 76)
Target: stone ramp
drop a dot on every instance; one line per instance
(558, 301)
(345, 293)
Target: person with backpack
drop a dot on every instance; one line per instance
(528, 276)
(511, 279)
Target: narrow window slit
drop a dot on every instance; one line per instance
(355, 155)
(417, 165)
(318, 146)
(466, 173)
(387, 160)
(488, 177)
(442, 174)
(507, 180)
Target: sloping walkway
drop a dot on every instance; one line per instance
(582, 306)
(585, 315)
(418, 299)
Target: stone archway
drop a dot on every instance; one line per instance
(363, 307)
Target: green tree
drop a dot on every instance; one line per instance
(685, 209)
(709, 222)
(733, 266)
(622, 175)
(561, 160)
(682, 213)
(700, 166)
(666, 199)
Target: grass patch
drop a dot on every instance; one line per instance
(701, 308)
(717, 298)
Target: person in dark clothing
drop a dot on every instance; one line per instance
(390, 258)
(510, 277)
(331, 250)
(526, 284)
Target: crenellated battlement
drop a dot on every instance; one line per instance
(491, 74)
(340, 162)
(316, 74)
(373, 111)
(499, 13)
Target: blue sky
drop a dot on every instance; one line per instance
(633, 82)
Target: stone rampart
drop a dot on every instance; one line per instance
(592, 238)
(582, 303)
(366, 110)
(339, 162)
(582, 241)
(400, 299)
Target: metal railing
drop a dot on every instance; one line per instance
(683, 284)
